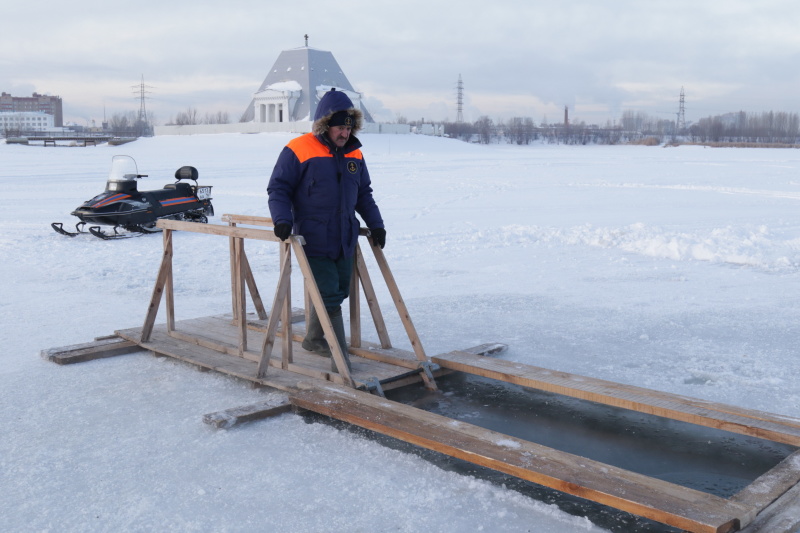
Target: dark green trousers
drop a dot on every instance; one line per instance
(333, 279)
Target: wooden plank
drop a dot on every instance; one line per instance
(158, 290)
(216, 327)
(207, 354)
(213, 344)
(247, 219)
(89, 351)
(771, 485)
(728, 418)
(319, 305)
(218, 334)
(489, 348)
(287, 357)
(402, 310)
(169, 285)
(248, 275)
(392, 356)
(284, 283)
(635, 493)
(355, 307)
(247, 413)
(217, 229)
(360, 267)
(406, 359)
(251, 284)
(783, 516)
(239, 301)
(232, 261)
(298, 315)
(163, 344)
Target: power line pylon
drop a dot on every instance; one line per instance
(141, 89)
(460, 101)
(680, 125)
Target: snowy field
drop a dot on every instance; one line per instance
(676, 269)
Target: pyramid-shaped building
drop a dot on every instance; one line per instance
(295, 84)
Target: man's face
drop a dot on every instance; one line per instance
(339, 134)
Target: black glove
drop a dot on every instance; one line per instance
(282, 231)
(378, 237)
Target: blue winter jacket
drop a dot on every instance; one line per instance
(318, 189)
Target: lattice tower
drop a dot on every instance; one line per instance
(681, 122)
(141, 89)
(460, 101)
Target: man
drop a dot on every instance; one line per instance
(319, 183)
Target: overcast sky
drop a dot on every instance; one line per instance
(516, 57)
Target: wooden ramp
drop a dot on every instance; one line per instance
(213, 343)
(278, 322)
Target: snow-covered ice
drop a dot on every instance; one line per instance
(675, 269)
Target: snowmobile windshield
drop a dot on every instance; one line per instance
(123, 168)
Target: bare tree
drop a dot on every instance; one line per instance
(521, 130)
(123, 124)
(186, 118)
(220, 117)
(767, 127)
(485, 128)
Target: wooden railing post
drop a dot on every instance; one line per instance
(169, 287)
(248, 277)
(164, 275)
(402, 310)
(372, 299)
(284, 283)
(240, 304)
(287, 357)
(322, 313)
(232, 248)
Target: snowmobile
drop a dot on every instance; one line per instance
(123, 206)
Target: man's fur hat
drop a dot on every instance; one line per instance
(332, 103)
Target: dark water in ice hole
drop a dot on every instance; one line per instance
(703, 459)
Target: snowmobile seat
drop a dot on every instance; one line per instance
(183, 188)
(186, 173)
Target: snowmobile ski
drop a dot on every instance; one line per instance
(59, 227)
(98, 232)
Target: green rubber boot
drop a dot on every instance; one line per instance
(315, 337)
(338, 327)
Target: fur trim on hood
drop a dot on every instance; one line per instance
(321, 125)
(332, 102)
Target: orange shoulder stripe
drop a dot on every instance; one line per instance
(307, 147)
(355, 154)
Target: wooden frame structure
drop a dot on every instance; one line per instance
(281, 311)
(222, 343)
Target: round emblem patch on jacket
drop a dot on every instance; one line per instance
(352, 167)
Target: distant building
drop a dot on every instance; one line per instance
(288, 97)
(38, 103)
(25, 121)
(295, 84)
